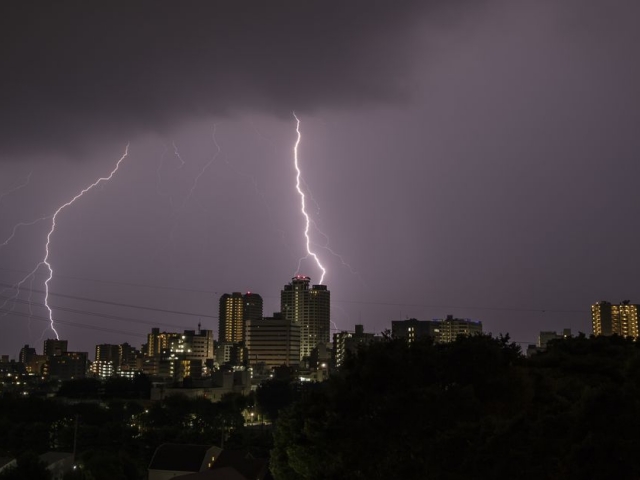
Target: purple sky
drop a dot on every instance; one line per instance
(474, 158)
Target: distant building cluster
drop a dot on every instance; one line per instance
(250, 347)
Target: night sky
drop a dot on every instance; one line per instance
(474, 158)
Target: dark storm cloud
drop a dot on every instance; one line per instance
(77, 69)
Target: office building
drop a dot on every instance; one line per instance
(309, 307)
(272, 342)
(609, 319)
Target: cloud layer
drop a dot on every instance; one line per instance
(73, 70)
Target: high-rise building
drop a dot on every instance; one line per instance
(619, 319)
(235, 310)
(309, 307)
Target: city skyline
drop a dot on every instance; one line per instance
(474, 159)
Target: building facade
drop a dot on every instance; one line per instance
(308, 306)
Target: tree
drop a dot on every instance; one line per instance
(400, 410)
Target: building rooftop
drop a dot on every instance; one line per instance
(177, 457)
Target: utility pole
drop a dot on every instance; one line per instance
(75, 440)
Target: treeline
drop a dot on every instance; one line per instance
(475, 408)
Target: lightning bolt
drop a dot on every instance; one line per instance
(45, 260)
(22, 224)
(205, 167)
(17, 187)
(194, 185)
(303, 207)
(191, 195)
(177, 155)
(159, 189)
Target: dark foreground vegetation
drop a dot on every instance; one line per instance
(116, 438)
(472, 409)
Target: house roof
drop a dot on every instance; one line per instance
(49, 458)
(232, 465)
(226, 473)
(177, 457)
(6, 460)
(243, 462)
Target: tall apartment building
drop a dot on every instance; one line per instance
(310, 308)
(235, 310)
(609, 319)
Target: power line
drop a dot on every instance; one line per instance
(72, 324)
(506, 309)
(114, 282)
(357, 302)
(118, 304)
(94, 314)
